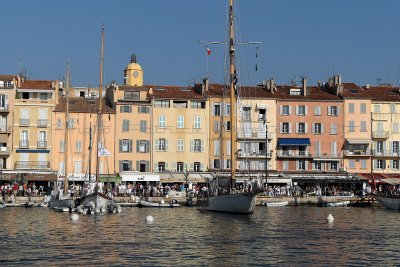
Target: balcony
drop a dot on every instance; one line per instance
(23, 144)
(252, 134)
(322, 156)
(42, 123)
(380, 134)
(5, 151)
(32, 165)
(385, 153)
(4, 109)
(357, 153)
(42, 144)
(23, 122)
(5, 129)
(257, 155)
(294, 154)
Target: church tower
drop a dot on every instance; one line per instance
(133, 74)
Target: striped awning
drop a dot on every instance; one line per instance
(359, 141)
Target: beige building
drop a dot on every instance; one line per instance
(32, 139)
(81, 146)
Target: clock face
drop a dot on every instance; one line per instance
(135, 74)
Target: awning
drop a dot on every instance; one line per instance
(279, 180)
(392, 181)
(139, 177)
(294, 141)
(359, 141)
(111, 179)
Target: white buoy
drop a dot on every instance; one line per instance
(330, 218)
(149, 219)
(162, 201)
(74, 217)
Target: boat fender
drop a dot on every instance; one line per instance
(330, 218)
(149, 219)
(162, 201)
(74, 217)
(119, 209)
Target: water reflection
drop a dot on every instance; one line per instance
(186, 237)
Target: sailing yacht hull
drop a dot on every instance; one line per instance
(392, 203)
(243, 203)
(98, 203)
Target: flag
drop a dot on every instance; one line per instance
(208, 50)
(103, 152)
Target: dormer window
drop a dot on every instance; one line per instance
(25, 95)
(131, 95)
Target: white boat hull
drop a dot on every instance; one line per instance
(275, 204)
(148, 204)
(98, 203)
(392, 203)
(62, 204)
(234, 203)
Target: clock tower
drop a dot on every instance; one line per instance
(133, 74)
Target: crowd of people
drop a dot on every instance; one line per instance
(23, 189)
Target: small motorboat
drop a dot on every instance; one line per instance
(275, 203)
(335, 204)
(161, 204)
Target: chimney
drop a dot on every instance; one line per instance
(304, 86)
(367, 86)
(271, 85)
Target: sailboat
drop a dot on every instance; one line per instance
(232, 202)
(62, 201)
(97, 202)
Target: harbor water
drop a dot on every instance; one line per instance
(271, 236)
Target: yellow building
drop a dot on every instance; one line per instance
(8, 85)
(32, 139)
(81, 159)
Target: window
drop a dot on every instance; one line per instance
(25, 95)
(379, 147)
(125, 125)
(301, 165)
(317, 110)
(216, 109)
(217, 147)
(227, 111)
(78, 146)
(179, 145)
(161, 121)
(180, 104)
(161, 144)
(317, 165)
(396, 127)
(161, 103)
(301, 110)
(125, 165)
(351, 164)
(363, 126)
(62, 145)
(392, 108)
(285, 127)
(380, 164)
(181, 122)
(217, 126)
(125, 109)
(333, 111)
(179, 167)
(197, 122)
(131, 95)
(394, 164)
(196, 166)
(351, 108)
(351, 126)
(197, 104)
(317, 128)
(332, 166)
(197, 145)
(78, 167)
(285, 110)
(395, 147)
(43, 96)
(125, 145)
(217, 164)
(143, 109)
(142, 146)
(363, 108)
(363, 164)
(301, 129)
(333, 128)
(377, 109)
(161, 166)
(143, 126)
(227, 126)
(246, 113)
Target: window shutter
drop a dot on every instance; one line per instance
(147, 146)
(166, 144)
(329, 110)
(202, 146)
(281, 127)
(306, 127)
(157, 144)
(322, 128)
(306, 110)
(306, 166)
(290, 127)
(137, 145)
(166, 166)
(191, 145)
(313, 128)
(228, 147)
(174, 167)
(120, 166)
(130, 145)
(290, 110)
(281, 109)
(297, 164)
(137, 165)
(297, 127)
(297, 110)
(191, 166)
(147, 165)
(201, 167)
(120, 145)
(155, 167)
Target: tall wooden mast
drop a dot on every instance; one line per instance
(66, 133)
(99, 112)
(232, 89)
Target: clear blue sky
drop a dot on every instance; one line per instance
(358, 39)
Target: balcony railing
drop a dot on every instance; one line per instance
(23, 144)
(258, 154)
(262, 117)
(358, 152)
(326, 155)
(42, 144)
(23, 122)
(252, 134)
(32, 165)
(42, 123)
(294, 154)
(4, 108)
(380, 134)
(385, 153)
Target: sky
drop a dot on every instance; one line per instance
(358, 39)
